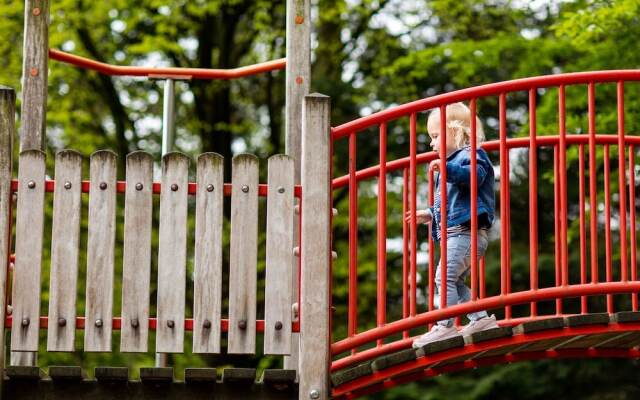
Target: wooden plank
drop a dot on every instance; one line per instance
(34, 74)
(298, 82)
(244, 254)
(136, 264)
(100, 251)
(65, 239)
(315, 247)
(207, 282)
(278, 280)
(7, 132)
(26, 275)
(172, 254)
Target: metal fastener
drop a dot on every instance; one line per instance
(31, 184)
(67, 185)
(62, 322)
(314, 394)
(209, 188)
(245, 188)
(25, 321)
(278, 325)
(174, 187)
(134, 323)
(296, 251)
(299, 19)
(139, 186)
(98, 323)
(206, 324)
(103, 185)
(170, 323)
(242, 324)
(280, 189)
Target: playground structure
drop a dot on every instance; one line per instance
(298, 207)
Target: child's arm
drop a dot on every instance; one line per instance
(461, 173)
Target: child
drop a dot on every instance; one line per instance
(459, 216)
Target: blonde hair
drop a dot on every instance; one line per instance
(459, 123)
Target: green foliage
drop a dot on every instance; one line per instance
(368, 55)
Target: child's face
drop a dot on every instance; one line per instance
(433, 127)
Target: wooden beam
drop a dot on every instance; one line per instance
(298, 82)
(7, 131)
(315, 249)
(34, 74)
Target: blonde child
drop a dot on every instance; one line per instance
(459, 216)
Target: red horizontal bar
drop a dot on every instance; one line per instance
(117, 324)
(493, 145)
(167, 72)
(499, 301)
(121, 186)
(492, 89)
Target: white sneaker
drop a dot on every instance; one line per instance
(479, 325)
(437, 332)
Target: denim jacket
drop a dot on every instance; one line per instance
(459, 190)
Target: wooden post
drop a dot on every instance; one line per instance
(34, 74)
(298, 81)
(315, 250)
(7, 130)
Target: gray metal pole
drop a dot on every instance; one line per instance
(168, 116)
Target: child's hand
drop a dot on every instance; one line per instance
(422, 216)
(435, 165)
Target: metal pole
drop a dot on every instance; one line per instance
(168, 117)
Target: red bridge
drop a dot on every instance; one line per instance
(588, 305)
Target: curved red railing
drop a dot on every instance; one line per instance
(384, 335)
(166, 72)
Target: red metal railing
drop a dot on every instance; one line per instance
(384, 335)
(165, 72)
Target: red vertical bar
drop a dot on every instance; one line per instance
(405, 248)
(556, 214)
(443, 206)
(632, 228)
(483, 275)
(474, 204)
(563, 185)
(607, 224)
(414, 208)
(622, 185)
(382, 229)
(583, 232)
(505, 255)
(533, 198)
(353, 238)
(432, 247)
(593, 194)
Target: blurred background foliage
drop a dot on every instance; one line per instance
(368, 55)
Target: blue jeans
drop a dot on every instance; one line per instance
(458, 269)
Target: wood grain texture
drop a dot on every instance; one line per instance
(7, 132)
(34, 74)
(315, 247)
(278, 280)
(172, 254)
(29, 229)
(100, 252)
(136, 263)
(244, 254)
(65, 240)
(207, 281)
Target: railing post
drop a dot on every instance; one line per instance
(315, 249)
(35, 67)
(298, 81)
(7, 131)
